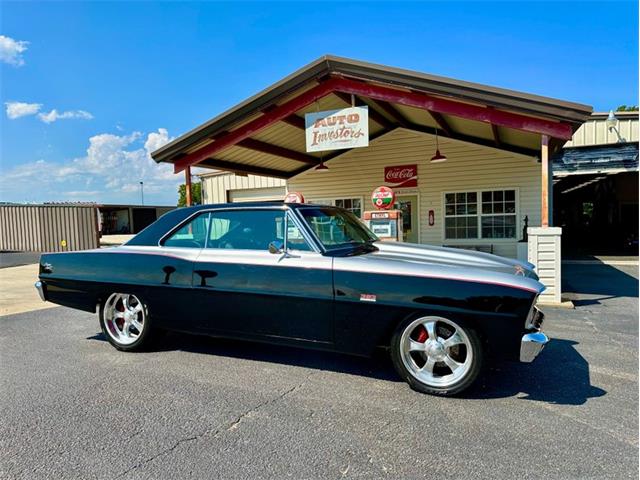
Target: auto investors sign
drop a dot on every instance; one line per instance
(337, 129)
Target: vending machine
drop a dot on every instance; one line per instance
(384, 222)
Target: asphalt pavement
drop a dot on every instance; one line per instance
(73, 407)
(15, 259)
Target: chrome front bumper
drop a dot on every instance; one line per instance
(40, 287)
(531, 345)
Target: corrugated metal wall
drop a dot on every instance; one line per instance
(215, 188)
(48, 228)
(597, 132)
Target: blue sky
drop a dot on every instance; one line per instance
(124, 78)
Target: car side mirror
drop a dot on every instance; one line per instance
(276, 247)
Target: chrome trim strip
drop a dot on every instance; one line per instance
(531, 345)
(300, 259)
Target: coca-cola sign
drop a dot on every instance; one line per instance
(401, 176)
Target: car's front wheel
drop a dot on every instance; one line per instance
(125, 322)
(437, 355)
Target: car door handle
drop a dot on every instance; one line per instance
(204, 275)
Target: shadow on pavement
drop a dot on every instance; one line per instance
(560, 375)
(603, 280)
(378, 367)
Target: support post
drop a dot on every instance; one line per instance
(187, 183)
(544, 199)
(544, 242)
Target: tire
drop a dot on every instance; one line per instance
(445, 367)
(125, 322)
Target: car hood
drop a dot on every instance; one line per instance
(444, 263)
(453, 257)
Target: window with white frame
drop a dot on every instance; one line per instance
(354, 205)
(487, 214)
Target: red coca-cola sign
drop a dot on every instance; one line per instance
(401, 176)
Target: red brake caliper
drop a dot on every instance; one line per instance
(422, 334)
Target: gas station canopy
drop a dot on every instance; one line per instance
(264, 135)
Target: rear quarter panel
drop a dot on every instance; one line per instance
(83, 279)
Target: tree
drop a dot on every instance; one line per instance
(627, 108)
(196, 194)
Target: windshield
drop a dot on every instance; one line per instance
(337, 228)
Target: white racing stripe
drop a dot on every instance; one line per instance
(366, 264)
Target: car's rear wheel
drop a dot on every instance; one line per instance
(437, 355)
(125, 322)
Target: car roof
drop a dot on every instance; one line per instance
(151, 235)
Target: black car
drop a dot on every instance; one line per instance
(311, 276)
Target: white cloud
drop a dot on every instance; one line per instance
(21, 109)
(156, 140)
(11, 51)
(110, 172)
(54, 115)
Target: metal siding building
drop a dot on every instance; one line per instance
(596, 187)
(48, 228)
(596, 132)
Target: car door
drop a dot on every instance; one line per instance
(169, 269)
(243, 289)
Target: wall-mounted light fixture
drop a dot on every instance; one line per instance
(612, 120)
(612, 125)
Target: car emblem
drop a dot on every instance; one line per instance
(519, 270)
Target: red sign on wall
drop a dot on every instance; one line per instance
(401, 176)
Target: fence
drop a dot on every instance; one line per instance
(48, 228)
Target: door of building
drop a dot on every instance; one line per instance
(410, 220)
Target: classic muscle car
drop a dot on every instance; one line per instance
(306, 275)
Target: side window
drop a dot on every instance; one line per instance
(250, 230)
(191, 235)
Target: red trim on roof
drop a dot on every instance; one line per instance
(377, 92)
(463, 110)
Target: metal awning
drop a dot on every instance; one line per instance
(264, 135)
(596, 159)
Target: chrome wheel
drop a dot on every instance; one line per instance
(124, 318)
(436, 351)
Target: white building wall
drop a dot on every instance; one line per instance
(216, 187)
(468, 167)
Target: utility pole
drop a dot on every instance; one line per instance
(142, 192)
